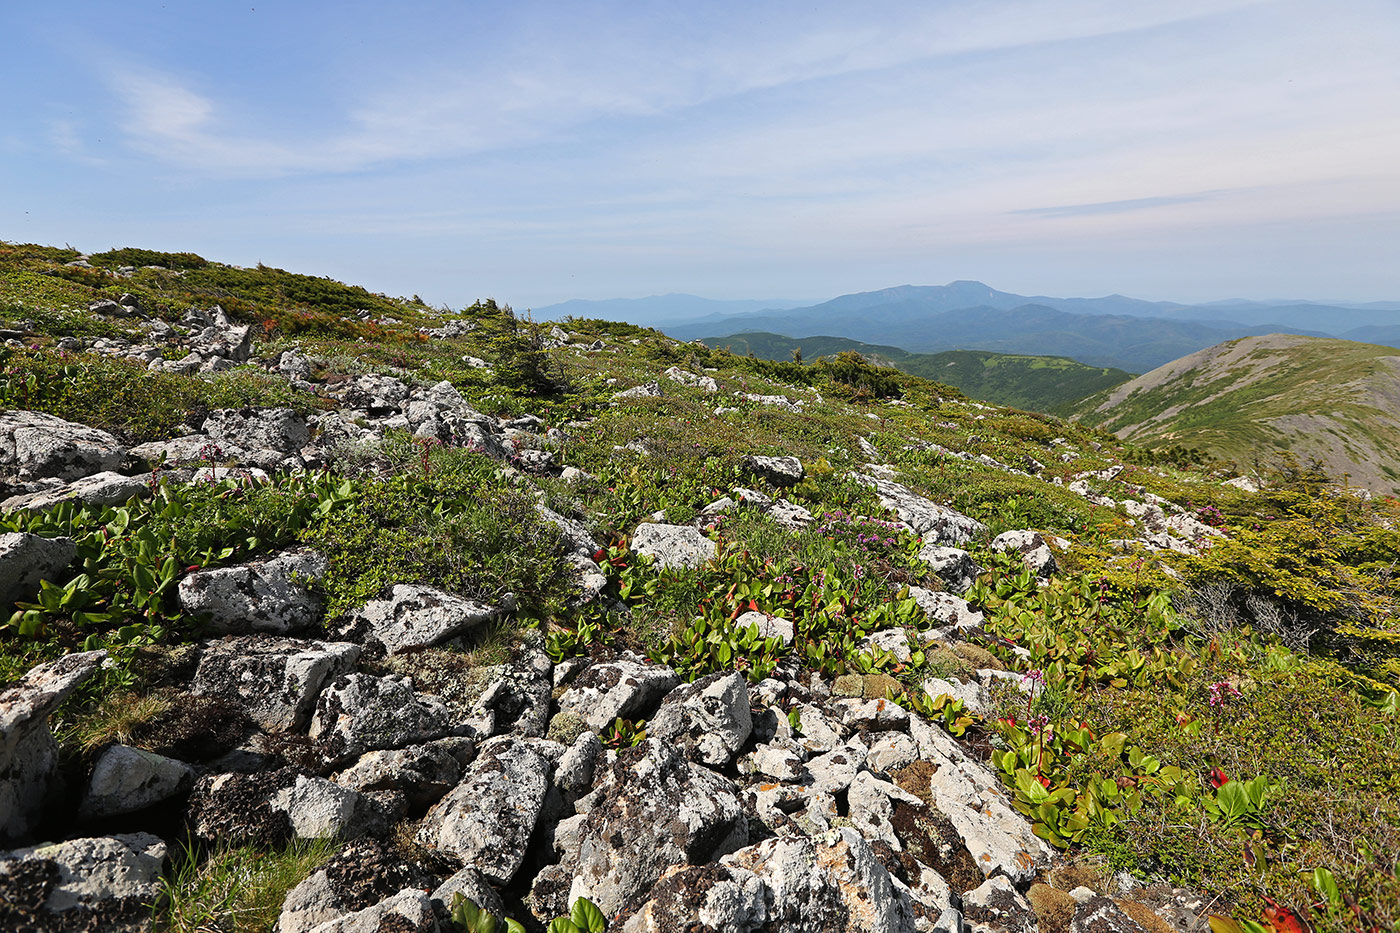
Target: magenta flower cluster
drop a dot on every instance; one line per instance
(1221, 692)
(868, 534)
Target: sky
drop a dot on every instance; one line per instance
(536, 152)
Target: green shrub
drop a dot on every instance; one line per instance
(461, 528)
(130, 256)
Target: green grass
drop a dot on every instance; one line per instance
(235, 890)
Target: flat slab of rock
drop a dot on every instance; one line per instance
(106, 488)
(415, 616)
(937, 523)
(34, 445)
(126, 779)
(421, 773)
(189, 447)
(269, 595)
(279, 429)
(1000, 840)
(358, 713)
(674, 545)
(28, 752)
(488, 818)
(623, 688)
(710, 717)
(277, 680)
(26, 560)
(99, 883)
(946, 609)
(656, 810)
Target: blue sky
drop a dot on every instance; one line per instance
(536, 152)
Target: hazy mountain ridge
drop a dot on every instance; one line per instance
(1113, 331)
(1333, 400)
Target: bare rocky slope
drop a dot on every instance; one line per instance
(1252, 399)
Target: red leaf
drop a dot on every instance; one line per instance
(1218, 778)
(1285, 919)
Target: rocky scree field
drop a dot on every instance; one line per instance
(337, 612)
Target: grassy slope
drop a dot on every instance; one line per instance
(1305, 721)
(1039, 383)
(1255, 398)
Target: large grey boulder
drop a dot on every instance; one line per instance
(28, 752)
(622, 688)
(937, 523)
(34, 445)
(780, 471)
(104, 883)
(954, 566)
(488, 818)
(947, 610)
(655, 810)
(279, 429)
(686, 378)
(421, 773)
(411, 616)
(373, 392)
(358, 713)
(710, 717)
(674, 545)
(831, 882)
(276, 680)
(26, 560)
(106, 488)
(273, 594)
(126, 779)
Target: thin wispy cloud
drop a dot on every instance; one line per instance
(549, 150)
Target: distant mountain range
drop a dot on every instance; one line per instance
(1040, 383)
(1255, 398)
(1113, 331)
